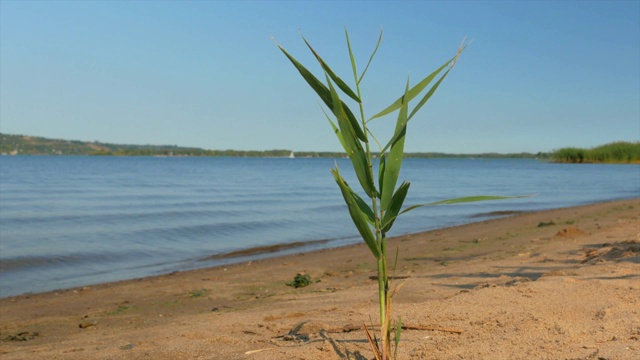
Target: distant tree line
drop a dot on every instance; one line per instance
(617, 152)
(439, 155)
(178, 151)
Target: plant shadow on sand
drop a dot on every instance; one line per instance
(628, 251)
(621, 251)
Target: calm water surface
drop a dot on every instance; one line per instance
(72, 221)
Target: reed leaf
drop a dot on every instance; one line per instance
(394, 162)
(353, 147)
(353, 62)
(427, 96)
(335, 130)
(400, 135)
(394, 206)
(415, 91)
(354, 122)
(352, 58)
(468, 199)
(364, 208)
(397, 339)
(411, 208)
(324, 93)
(381, 170)
(313, 81)
(341, 84)
(358, 217)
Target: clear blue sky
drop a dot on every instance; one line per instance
(539, 75)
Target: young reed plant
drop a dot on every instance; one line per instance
(374, 218)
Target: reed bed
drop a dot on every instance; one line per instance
(616, 152)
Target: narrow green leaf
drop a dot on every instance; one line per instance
(397, 339)
(410, 208)
(315, 84)
(394, 162)
(462, 200)
(467, 199)
(422, 85)
(354, 122)
(341, 84)
(371, 58)
(323, 92)
(351, 57)
(395, 205)
(362, 205)
(357, 216)
(423, 101)
(335, 129)
(381, 171)
(352, 145)
(415, 91)
(395, 263)
(364, 208)
(427, 96)
(393, 140)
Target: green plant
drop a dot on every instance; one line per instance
(616, 152)
(374, 221)
(300, 280)
(121, 309)
(197, 293)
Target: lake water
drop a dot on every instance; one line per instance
(73, 221)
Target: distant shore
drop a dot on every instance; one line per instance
(612, 153)
(31, 145)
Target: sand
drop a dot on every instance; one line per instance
(559, 284)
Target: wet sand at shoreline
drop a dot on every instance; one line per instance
(556, 284)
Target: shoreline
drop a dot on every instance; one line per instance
(282, 250)
(558, 283)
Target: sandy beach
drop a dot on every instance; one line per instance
(557, 284)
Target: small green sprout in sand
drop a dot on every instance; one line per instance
(300, 280)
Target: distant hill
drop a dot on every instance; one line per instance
(32, 145)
